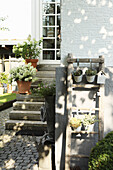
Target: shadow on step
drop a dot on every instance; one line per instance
(31, 132)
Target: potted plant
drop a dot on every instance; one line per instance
(48, 91)
(28, 50)
(3, 80)
(75, 124)
(88, 122)
(78, 75)
(23, 75)
(90, 75)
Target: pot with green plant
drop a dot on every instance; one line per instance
(90, 75)
(29, 50)
(3, 80)
(75, 124)
(48, 91)
(88, 122)
(77, 75)
(23, 75)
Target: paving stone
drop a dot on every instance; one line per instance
(21, 148)
(19, 161)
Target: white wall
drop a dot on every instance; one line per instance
(18, 13)
(87, 29)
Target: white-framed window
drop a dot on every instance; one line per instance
(51, 28)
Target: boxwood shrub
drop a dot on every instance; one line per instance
(101, 157)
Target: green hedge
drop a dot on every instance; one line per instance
(101, 157)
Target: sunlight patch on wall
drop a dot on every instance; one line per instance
(103, 50)
(111, 20)
(84, 38)
(110, 4)
(77, 20)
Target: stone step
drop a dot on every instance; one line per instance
(45, 74)
(31, 106)
(24, 115)
(18, 125)
(48, 67)
(44, 80)
(29, 98)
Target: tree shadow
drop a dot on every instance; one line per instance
(17, 152)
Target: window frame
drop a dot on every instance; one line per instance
(42, 61)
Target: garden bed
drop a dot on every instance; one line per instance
(7, 100)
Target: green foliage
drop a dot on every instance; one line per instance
(22, 73)
(7, 97)
(30, 49)
(90, 72)
(45, 89)
(101, 157)
(77, 73)
(89, 119)
(3, 78)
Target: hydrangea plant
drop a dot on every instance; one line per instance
(22, 73)
(30, 49)
(89, 119)
(74, 122)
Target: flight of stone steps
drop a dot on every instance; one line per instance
(25, 116)
(46, 74)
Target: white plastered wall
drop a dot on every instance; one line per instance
(87, 31)
(18, 20)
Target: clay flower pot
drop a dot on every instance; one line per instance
(32, 61)
(24, 87)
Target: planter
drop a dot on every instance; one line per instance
(50, 116)
(78, 129)
(32, 61)
(24, 87)
(90, 79)
(78, 78)
(89, 128)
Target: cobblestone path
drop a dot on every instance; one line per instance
(16, 152)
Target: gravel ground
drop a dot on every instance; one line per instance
(16, 152)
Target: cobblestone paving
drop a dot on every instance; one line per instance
(16, 152)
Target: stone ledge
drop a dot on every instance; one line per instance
(6, 105)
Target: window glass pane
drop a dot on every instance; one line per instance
(49, 8)
(49, 55)
(48, 0)
(51, 1)
(58, 55)
(58, 43)
(58, 33)
(58, 8)
(58, 20)
(48, 43)
(48, 32)
(48, 20)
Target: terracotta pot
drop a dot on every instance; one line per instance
(32, 61)
(24, 86)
